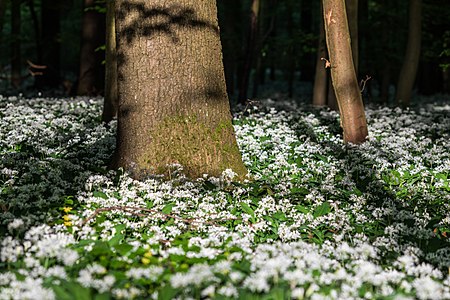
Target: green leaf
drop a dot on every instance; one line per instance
(322, 210)
(247, 209)
(102, 297)
(302, 209)
(123, 249)
(99, 194)
(116, 239)
(61, 293)
(167, 293)
(167, 209)
(100, 248)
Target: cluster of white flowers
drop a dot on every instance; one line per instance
(325, 220)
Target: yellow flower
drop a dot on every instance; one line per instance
(145, 260)
(67, 209)
(148, 254)
(68, 224)
(66, 218)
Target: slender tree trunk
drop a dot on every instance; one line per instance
(91, 77)
(2, 15)
(291, 49)
(320, 78)
(16, 61)
(230, 32)
(37, 30)
(353, 120)
(352, 17)
(411, 61)
(446, 80)
(173, 106)
(250, 51)
(111, 98)
(50, 26)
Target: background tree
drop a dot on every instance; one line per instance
(91, 76)
(51, 44)
(320, 78)
(411, 60)
(351, 108)
(250, 50)
(111, 98)
(173, 106)
(16, 61)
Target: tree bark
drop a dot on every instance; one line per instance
(352, 17)
(91, 76)
(320, 78)
(173, 105)
(16, 58)
(411, 61)
(250, 51)
(111, 98)
(353, 119)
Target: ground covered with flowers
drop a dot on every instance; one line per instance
(318, 219)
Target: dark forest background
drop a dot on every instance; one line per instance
(57, 47)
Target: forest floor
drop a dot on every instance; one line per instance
(319, 219)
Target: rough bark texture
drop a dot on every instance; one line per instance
(353, 120)
(111, 98)
(411, 61)
(173, 106)
(91, 76)
(352, 16)
(320, 78)
(250, 51)
(15, 45)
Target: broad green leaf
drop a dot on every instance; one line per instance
(167, 209)
(322, 210)
(247, 209)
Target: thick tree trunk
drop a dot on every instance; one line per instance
(16, 64)
(250, 51)
(353, 119)
(411, 61)
(352, 17)
(320, 78)
(91, 76)
(173, 106)
(111, 98)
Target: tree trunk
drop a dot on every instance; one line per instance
(2, 15)
(37, 30)
(320, 78)
(411, 61)
(352, 17)
(353, 119)
(173, 106)
(111, 99)
(16, 64)
(250, 52)
(50, 38)
(229, 25)
(91, 77)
